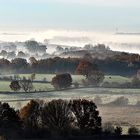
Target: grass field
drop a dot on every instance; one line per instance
(119, 79)
(40, 77)
(78, 78)
(4, 85)
(121, 116)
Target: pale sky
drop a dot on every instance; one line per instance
(70, 14)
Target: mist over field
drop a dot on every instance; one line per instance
(118, 42)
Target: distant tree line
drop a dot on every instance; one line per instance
(117, 65)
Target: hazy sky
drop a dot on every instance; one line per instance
(70, 14)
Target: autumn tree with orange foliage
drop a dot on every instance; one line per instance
(85, 68)
(29, 114)
(62, 81)
(93, 75)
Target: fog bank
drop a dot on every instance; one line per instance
(119, 42)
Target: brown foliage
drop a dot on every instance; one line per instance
(62, 81)
(29, 114)
(85, 68)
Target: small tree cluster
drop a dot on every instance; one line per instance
(25, 84)
(61, 117)
(62, 81)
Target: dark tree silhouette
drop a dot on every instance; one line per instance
(15, 86)
(133, 131)
(57, 116)
(10, 123)
(87, 116)
(118, 131)
(19, 63)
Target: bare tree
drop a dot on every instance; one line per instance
(88, 119)
(26, 84)
(33, 76)
(57, 116)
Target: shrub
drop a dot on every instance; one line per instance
(76, 85)
(106, 84)
(133, 131)
(108, 129)
(120, 101)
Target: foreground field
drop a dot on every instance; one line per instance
(106, 95)
(123, 116)
(118, 115)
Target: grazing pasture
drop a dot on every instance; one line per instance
(4, 85)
